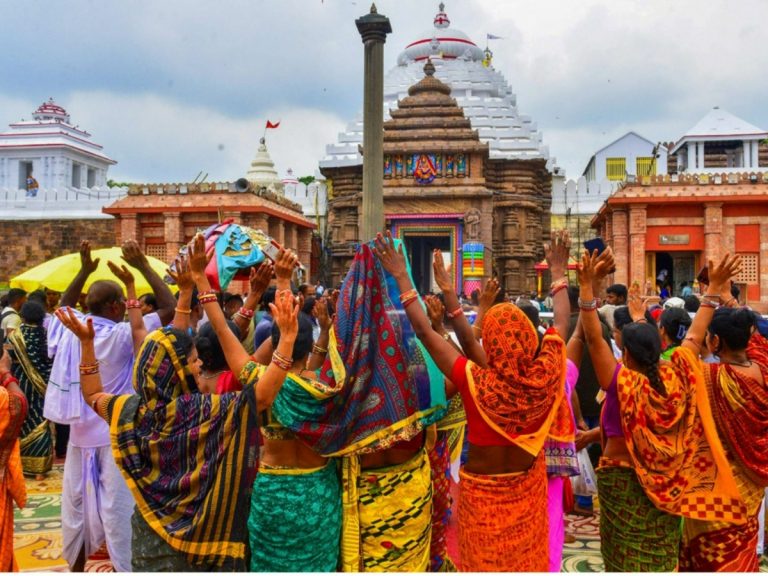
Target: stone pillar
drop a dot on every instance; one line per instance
(620, 228)
(128, 229)
(755, 154)
(373, 28)
(291, 236)
(260, 221)
(277, 230)
(691, 165)
(713, 231)
(637, 213)
(763, 277)
(174, 235)
(700, 156)
(747, 154)
(304, 249)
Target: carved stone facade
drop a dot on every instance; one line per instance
(441, 190)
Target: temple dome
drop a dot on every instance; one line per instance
(262, 172)
(482, 92)
(441, 41)
(50, 111)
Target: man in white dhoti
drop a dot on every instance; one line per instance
(96, 505)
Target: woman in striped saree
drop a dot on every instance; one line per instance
(32, 368)
(190, 459)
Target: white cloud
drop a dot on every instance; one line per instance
(157, 139)
(162, 84)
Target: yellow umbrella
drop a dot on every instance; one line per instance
(58, 273)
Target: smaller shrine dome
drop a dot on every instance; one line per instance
(262, 172)
(442, 41)
(50, 111)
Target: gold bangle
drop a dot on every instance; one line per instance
(447, 337)
(184, 310)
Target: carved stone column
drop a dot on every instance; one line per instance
(713, 231)
(637, 227)
(620, 226)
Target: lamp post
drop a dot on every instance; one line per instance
(373, 28)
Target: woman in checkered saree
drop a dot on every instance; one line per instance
(661, 455)
(737, 387)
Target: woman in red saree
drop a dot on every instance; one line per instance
(737, 388)
(13, 410)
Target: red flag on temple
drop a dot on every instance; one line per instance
(270, 125)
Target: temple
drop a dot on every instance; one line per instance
(58, 154)
(464, 171)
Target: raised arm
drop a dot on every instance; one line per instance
(436, 313)
(166, 303)
(488, 296)
(285, 264)
(320, 347)
(136, 320)
(183, 278)
(87, 267)
(719, 282)
(233, 350)
(258, 279)
(556, 255)
(393, 261)
(285, 312)
(575, 348)
(593, 266)
(90, 381)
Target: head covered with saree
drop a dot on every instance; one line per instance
(189, 459)
(378, 384)
(520, 392)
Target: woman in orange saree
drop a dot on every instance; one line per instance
(13, 410)
(737, 388)
(512, 391)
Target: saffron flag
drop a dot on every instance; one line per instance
(270, 125)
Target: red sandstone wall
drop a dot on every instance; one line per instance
(27, 243)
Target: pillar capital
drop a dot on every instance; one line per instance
(373, 26)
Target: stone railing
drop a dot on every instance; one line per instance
(210, 188)
(53, 203)
(711, 176)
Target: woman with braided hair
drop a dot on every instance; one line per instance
(661, 455)
(673, 326)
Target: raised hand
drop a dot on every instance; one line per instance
(134, 256)
(122, 273)
(198, 259)
(320, 312)
(285, 312)
(720, 274)
(87, 264)
(435, 311)
(557, 252)
(442, 276)
(489, 294)
(183, 274)
(84, 332)
(285, 264)
(393, 261)
(604, 264)
(636, 303)
(259, 278)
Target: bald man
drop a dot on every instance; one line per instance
(96, 504)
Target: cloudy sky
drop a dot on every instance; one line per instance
(174, 87)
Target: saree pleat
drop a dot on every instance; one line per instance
(395, 516)
(635, 536)
(32, 368)
(13, 409)
(295, 521)
(503, 523)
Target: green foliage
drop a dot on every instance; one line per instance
(112, 184)
(306, 180)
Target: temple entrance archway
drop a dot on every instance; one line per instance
(420, 249)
